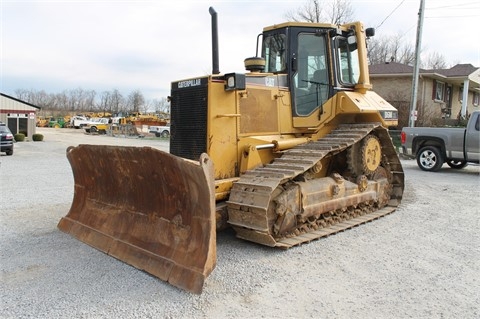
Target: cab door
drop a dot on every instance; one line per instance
(310, 78)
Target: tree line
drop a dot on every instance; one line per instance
(79, 101)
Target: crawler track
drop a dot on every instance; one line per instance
(250, 206)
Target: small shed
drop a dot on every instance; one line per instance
(20, 116)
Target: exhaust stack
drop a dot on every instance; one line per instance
(215, 63)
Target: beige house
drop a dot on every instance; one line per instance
(442, 94)
(18, 115)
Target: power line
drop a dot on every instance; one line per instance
(388, 16)
(469, 6)
(455, 6)
(463, 16)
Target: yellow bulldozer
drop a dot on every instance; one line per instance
(294, 149)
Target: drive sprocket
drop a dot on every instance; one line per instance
(365, 157)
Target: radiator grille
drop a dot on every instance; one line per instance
(188, 138)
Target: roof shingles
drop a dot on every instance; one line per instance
(399, 68)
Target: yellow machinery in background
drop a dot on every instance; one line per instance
(293, 150)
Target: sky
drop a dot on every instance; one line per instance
(58, 45)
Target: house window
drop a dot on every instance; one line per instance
(448, 93)
(475, 99)
(460, 94)
(438, 91)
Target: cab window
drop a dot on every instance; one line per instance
(274, 53)
(347, 60)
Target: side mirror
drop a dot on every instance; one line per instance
(370, 32)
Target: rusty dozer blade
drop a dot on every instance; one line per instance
(148, 208)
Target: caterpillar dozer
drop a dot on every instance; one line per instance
(294, 149)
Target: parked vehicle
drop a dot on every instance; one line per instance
(6, 139)
(79, 121)
(99, 125)
(57, 122)
(160, 131)
(434, 146)
(42, 121)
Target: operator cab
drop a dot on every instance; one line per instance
(317, 61)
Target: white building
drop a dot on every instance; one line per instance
(19, 116)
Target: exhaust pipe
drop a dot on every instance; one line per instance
(215, 64)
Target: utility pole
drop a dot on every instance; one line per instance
(418, 46)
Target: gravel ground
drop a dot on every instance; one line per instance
(422, 261)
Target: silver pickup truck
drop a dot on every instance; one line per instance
(432, 146)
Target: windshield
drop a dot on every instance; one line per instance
(4, 129)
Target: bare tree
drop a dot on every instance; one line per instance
(52, 102)
(145, 108)
(340, 11)
(61, 99)
(378, 51)
(315, 11)
(390, 49)
(434, 61)
(117, 102)
(135, 101)
(88, 99)
(74, 103)
(406, 55)
(395, 49)
(104, 104)
(161, 106)
(41, 98)
(23, 95)
(310, 11)
(38, 98)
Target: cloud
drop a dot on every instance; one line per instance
(144, 45)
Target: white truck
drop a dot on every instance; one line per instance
(434, 146)
(160, 131)
(79, 121)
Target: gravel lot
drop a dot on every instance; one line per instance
(423, 261)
